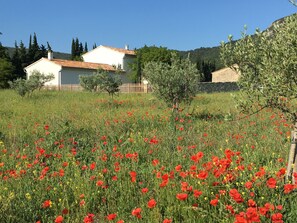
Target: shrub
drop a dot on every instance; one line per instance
(35, 81)
(102, 81)
(173, 83)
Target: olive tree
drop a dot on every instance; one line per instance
(101, 81)
(26, 87)
(173, 82)
(267, 64)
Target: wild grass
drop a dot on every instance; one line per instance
(83, 157)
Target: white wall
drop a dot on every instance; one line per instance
(71, 75)
(105, 55)
(46, 67)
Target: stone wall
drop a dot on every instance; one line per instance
(210, 87)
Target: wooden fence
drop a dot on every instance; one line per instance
(124, 88)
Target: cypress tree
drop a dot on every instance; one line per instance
(30, 54)
(36, 49)
(86, 47)
(81, 49)
(16, 62)
(23, 54)
(76, 47)
(73, 49)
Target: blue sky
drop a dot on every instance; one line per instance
(175, 24)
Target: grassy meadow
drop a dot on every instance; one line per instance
(83, 157)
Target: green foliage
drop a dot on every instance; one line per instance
(206, 54)
(37, 80)
(20, 86)
(109, 83)
(26, 87)
(148, 54)
(267, 63)
(77, 50)
(206, 68)
(89, 82)
(175, 82)
(101, 81)
(6, 73)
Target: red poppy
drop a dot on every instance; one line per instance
(65, 211)
(144, 190)
(197, 157)
(166, 220)
(111, 217)
(47, 204)
(248, 185)
(136, 212)
(59, 219)
(277, 218)
(133, 176)
(197, 193)
(214, 202)
(271, 183)
(89, 218)
(235, 195)
(99, 183)
(288, 188)
(178, 168)
(151, 203)
(155, 162)
(202, 175)
(251, 203)
(92, 166)
(182, 196)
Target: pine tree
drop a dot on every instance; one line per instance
(3, 52)
(94, 46)
(42, 51)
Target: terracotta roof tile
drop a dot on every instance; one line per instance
(128, 52)
(83, 65)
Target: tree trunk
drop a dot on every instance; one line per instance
(292, 161)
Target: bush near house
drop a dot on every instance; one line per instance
(101, 81)
(26, 87)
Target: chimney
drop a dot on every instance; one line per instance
(50, 55)
(126, 47)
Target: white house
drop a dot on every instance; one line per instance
(120, 58)
(67, 71)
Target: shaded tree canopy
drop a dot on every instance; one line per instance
(148, 54)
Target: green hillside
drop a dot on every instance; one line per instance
(210, 54)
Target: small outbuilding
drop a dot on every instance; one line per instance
(225, 75)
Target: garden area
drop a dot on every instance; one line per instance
(84, 157)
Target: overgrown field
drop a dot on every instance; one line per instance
(80, 157)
